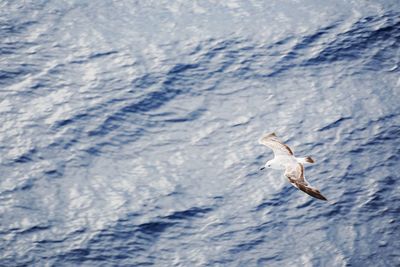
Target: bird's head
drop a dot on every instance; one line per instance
(267, 165)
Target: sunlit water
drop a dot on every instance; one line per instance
(128, 132)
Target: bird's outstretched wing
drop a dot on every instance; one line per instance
(296, 177)
(277, 146)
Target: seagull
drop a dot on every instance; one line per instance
(284, 159)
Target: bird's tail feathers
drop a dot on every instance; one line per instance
(307, 159)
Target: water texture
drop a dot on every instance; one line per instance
(129, 129)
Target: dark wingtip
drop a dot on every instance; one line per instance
(271, 134)
(312, 192)
(318, 195)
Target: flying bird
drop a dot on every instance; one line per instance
(284, 159)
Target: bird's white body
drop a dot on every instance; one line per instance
(283, 162)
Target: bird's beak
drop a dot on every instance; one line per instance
(262, 168)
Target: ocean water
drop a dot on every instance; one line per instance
(129, 132)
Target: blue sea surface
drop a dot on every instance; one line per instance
(129, 132)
